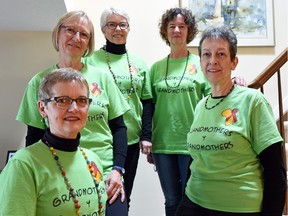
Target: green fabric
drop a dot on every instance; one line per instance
(140, 72)
(107, 104)
(224, 143)
(174, 107)
(32, 184)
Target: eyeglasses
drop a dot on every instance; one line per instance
(113, 25)
(65, 101)
(72, 32)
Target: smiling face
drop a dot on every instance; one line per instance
(216, 61)
(71, 39)
(177, 31)
(118, 35)
(65, 122)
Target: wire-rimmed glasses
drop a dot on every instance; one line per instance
(72, 32)
(113, 25)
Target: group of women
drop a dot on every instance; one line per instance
(128, 107)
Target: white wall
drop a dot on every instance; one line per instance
(144, 36)
(22, 54)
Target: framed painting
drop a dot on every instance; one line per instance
(252, 21)
(9, 155)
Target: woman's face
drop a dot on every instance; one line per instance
(120, 33)
(215, 60)
(73, 38)
(177, 31)
(65, 122)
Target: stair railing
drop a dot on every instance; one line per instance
(258, 83)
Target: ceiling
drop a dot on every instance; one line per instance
(30, 15)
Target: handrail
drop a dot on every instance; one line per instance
(259, 82)
(270, 70)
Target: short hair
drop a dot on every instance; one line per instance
(74, 15)
(60, 75)
(223, 33)
(109, 12)
(189, 20)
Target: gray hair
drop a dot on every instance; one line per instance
(109, 12)
(223, 33)
(60, 75)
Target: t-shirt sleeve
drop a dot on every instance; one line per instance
(18, 194)
(264, 128)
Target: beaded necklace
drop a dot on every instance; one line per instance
(68, 183)
(176, 86)
(209, 108)
(114, 76)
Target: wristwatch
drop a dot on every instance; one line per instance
(120, 169)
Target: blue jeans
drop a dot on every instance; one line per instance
(173, 171)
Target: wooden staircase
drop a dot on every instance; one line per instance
(274, 69)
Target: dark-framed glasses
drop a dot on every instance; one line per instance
(72, 32)
(65, 101)
(113, 25)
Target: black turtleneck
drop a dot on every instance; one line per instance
(118, 49)
(62, 144)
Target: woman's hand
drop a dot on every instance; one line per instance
(114, 186)
(150, 158)
(239, 81)
(145, 147)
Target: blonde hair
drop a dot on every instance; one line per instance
(71, 16)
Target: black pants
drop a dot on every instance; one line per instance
(117, 208)
(189, 208)
(131, 165)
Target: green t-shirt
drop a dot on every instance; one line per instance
(107, 103)
(32, 184)
(224, 142)
(174, 106)
(141, 82)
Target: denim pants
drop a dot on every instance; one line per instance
(173, 171)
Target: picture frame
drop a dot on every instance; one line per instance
(10, 154)
(251, 21)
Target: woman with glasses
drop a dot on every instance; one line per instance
(105, 131)
(130, 73)
(53, 176)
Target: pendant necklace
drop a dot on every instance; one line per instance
(209, 108)
(175, 86)
(68, 183)
(114, 76)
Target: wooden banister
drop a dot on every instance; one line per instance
(270, 70)
(258, 83)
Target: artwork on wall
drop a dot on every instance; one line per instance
(252, 21)
(9, 155)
